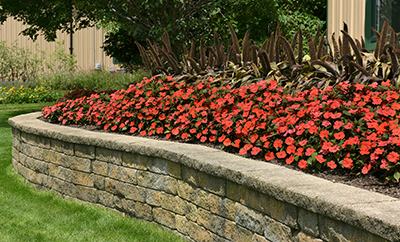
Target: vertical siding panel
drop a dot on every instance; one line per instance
(352, 12)
(82, 43)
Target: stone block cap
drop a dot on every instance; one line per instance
(374, 212)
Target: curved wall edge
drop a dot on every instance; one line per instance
(198, 192)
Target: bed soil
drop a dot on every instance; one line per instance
(372, 182)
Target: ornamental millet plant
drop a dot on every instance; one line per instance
(350, 126)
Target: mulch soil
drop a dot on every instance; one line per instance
(371, 182)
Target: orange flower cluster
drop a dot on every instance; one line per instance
(349, 126)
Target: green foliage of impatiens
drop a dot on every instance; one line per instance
(348, 127)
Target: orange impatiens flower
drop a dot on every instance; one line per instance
(269, 156)
(313, 129)
(291, 149)
(227, 142)
(253, 138)
(309, 151)
(278, 143)
(339, 135)
(281, 154)
(289, 141)
(289, 160)
(338, 124)
(393, 157)
(236, 143)
(255, 150)
(331, 164)
(303, 164)
(324, 134)
(347, 162)
(365, 147)
(395, 106)
(320, 158)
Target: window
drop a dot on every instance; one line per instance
(376, 12)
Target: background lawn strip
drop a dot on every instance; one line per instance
(29, 215)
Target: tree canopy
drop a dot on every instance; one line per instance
(183, 19)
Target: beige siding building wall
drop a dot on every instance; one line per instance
(86, 44)
(350, 11)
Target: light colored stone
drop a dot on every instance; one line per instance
(131, 160)
(143, 211)
(106, 198)
(212, 184)
(62, 146)
(206, 219)
(249, 219)
(153, 197)
(86, 193)
(190, 176)
(76, 163)
(100, 167)
(99, 182)
(275, 231)
(283, 212)
(198, 233)
(191, 211)
(107, 155)
(303, 237)
(135, 193)
(157, 181)
(181, 224)
(84, 151)
(129, 207)
(259, 238)
(308, 222)
(113, 186)
(173, 203)
(164, 217)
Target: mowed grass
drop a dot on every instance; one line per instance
(29, 215)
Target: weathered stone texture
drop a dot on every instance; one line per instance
(106, 198)
(308, 222)
(84, 151)
(283, 212)
(206, 219)
(182, 196)
(249, 219)
(144, 211)
(198, 233)
(114, 186)
(173, 203)
(222, 206)
(212, 184)
(157, 181)
(100, 167)
(122, 173)
(164, 217)
(153, 197)
(276, 231)
(135, 193)
(62, 147)
(107, 155)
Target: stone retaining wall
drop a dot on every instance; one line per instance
(201, 193)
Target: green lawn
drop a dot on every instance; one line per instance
(29, 215)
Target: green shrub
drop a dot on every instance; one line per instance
(95, 80)
(28, 94)
(19, 64)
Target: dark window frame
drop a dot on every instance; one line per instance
(370, 19)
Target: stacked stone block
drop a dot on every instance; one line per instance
(190, 202)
